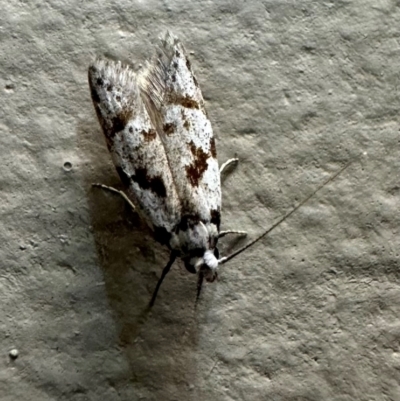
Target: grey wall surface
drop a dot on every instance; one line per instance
(296, 90)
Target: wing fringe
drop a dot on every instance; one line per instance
(153, 80)
(117, 72)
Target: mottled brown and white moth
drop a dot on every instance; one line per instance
(163, 148)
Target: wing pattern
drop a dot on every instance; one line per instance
(135, 146)
(175, 104)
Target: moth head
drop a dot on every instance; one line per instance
(205, 266)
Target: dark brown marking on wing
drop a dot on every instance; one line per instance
(161, 235)
(185, 101)
(169, 128)
(186, 124)
(155, 184)
(188, 221)
(119, 122)
(188, 64)
(213, 148)
(149, 135)
(95, 95)
(195, 170)
(215, 217)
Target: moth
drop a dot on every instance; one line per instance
(162, 145)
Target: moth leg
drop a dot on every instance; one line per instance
(227, 163)
(116, 191)
(199, 286)
(163, 274)
(223, 233)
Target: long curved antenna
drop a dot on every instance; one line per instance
(163, 274)
(287, 215)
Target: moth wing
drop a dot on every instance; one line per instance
(176, 106)
(135, 146)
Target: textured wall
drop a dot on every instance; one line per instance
(296, 90)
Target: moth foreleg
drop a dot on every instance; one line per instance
(227, 163)
(116, 191)
(223, 233)
(163, 274)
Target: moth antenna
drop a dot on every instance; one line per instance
(163, 274)
(287, 215)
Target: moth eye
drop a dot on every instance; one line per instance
(216, 253)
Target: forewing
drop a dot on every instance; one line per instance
(135, 146)
(176, 106)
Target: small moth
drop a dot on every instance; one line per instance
(162, 144)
